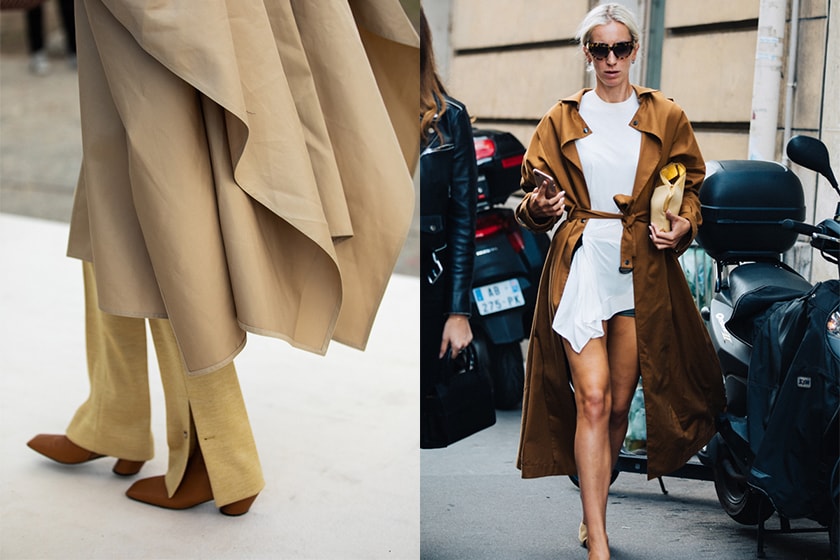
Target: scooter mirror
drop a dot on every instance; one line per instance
(811, 153)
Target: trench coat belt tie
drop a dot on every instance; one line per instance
(628, 241)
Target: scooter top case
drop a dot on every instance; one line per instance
(743, 204)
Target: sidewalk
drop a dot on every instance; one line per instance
(475, 506)
(337, 435)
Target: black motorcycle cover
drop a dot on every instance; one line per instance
(793, 399)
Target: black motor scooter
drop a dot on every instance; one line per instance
(778, 341)
(508, 263)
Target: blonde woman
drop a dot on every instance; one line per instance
(613, 302)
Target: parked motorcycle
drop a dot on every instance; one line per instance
(778, 341)
(508, 263)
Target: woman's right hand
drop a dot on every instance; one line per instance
(457, 335)
(541, 207)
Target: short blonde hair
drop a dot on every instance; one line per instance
(604, 14)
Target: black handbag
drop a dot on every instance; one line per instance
(460, 404)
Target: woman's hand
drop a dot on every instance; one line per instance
(457, 334)
(541, 207)
(669, 239)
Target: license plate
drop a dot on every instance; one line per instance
(500, 296)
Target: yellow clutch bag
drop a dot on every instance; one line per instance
(668, 195)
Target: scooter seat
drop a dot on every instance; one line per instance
(750, 277)
(754, 288)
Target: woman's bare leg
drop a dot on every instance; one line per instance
(593, 455)
(623, 353)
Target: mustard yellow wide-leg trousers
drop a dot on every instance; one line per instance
(206, 410)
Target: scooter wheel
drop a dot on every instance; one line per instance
(738, 500)
(506, 367)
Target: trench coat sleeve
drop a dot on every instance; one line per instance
(523, 216)
(552, 150)
(677, 136)
(686, 151)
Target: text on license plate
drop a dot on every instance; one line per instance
(498, 297)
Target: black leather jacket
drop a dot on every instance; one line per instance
(448, 177)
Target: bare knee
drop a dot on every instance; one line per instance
(619, 418)
(594, 407)
(619, 412)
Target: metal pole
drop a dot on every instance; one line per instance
(656, 36)
(791, 76)
(767, 79)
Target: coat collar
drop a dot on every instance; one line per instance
(576, 97)
(644, 120)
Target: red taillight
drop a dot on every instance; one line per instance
(516, 241)
(487, 225)
(490, 224)
(512, 161)
(484, 148)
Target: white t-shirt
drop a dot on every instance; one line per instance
(595, 289)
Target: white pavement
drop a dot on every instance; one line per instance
(337, 435)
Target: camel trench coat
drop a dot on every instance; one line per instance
(680, 373)
(246, 165)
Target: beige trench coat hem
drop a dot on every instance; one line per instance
(259, 182)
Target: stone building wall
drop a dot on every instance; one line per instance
(510, 60)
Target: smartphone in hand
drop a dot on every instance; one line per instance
(540, 176)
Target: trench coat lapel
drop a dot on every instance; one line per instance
(651, 148)
(569, 131)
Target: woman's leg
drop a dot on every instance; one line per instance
(591, 379)
(224, 435)
(35, 29)
(68, 20)
(39, 63)
(180, 430)
(116, 418)
(207, 411)
(624, 375)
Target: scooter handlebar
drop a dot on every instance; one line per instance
(825, 237)
(800, 227)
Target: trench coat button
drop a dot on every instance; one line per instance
(636, 123)
(626, 262)
(583, 220)
(586, 130)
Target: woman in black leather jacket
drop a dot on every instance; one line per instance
(448, 176)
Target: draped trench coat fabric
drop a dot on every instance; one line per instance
(680, 373)
(246, 165)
